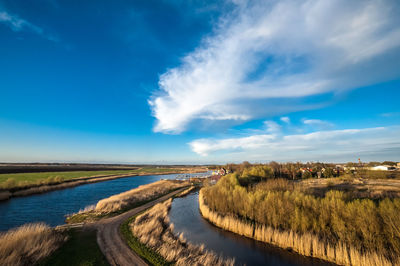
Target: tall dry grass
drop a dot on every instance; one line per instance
(306, 244)
(5, 195)
(29, 243)
(153, 229)
(186, 191)
(142, 193)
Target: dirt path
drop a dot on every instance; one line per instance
(110, 240)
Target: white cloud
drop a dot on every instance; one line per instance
(205, 146)
(280, 49)
(285, 119)
(272, 127)
(18, 24)
(339, 144)
(318, 123)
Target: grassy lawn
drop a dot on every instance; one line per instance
(25, 179)
(146, 253)
(80, 249)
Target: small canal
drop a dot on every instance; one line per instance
(185, 216)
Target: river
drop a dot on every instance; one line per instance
(185, 216)
(52, 207)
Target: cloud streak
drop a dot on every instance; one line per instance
(18, 24)
(311, 146)
(266, 50)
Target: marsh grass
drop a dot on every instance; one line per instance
(120, 203)
(27, 244)
(306, 244)
(140, 194)
(185, 192)
(154, 230)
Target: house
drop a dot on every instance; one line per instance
(383, 168)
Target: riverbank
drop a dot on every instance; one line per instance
(304, 244)
(152, 235)
(124, 201)
(27, 190)
(87, 243)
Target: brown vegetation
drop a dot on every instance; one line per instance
(353, 187)
(186, 191)
(306, 244)
(153, 229)
(364, 229)
(27, 244)
(117, 203)
(142, 193)
(297, 170)
(5, 195)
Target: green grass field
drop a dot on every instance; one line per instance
(26, 179)
(80, 249)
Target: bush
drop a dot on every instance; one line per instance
(306, 175)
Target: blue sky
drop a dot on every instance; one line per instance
(199, 81)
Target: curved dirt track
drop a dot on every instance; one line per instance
(111, 241)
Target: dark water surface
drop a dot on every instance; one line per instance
(186, 218)
(52, 207)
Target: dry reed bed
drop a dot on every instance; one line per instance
(186, 191)
(305, 244)
(140, 194)
(360, 188)
(153, 229)
(28, 243)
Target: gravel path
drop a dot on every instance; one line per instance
(110, 240)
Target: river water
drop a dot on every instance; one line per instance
(185, 216)
(52, 207)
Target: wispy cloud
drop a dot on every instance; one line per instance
(280, 49)
(321, 124)
(18, 24)
(272, 127)
(391, 114)
(312, 146)
(285, 119)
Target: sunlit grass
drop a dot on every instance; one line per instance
(280, 212)
(119, 203)
(153, 233)
(28, 244)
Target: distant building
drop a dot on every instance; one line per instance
(383, 168)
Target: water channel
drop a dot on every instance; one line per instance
(185, 216)
(52, 207)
